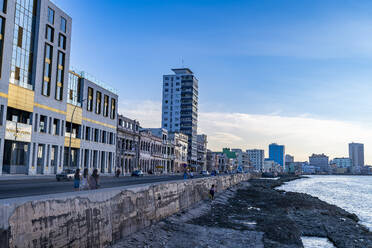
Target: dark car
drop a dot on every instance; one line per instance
(137, 173)
(66, 175)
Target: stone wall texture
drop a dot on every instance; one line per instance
(99, 218)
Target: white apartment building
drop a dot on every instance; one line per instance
(256, 158)
(180, 107)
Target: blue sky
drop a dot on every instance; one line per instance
(289, 59)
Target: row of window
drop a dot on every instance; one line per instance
(98, 104)
(49, 36)
(129, 125)
(48, 57)
(98, 135)
(63, 22)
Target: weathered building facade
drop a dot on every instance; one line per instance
(128, 138)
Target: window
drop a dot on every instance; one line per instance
(20, 37)
(3, 4)
(50, 16)
(98, 102)
(106, 106)
(60, 75)
(49, 33)
(43, 124)
(96, 135)
(113, 108)
(90, 99)
(104, 134)
(1, 114)
(56, 126)
(87, 133)
(62, 41)
(111, 138)
(45, 90)
(2, 25)
(63, 24)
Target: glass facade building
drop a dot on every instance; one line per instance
(277, 153)
(22, 46)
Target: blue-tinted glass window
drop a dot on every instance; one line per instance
(63, 24)
(50, 16)
(49, 33)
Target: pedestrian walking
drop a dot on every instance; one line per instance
(84, 184)
(212, 191)
(118, 173)
(77, 179)
(94, 180)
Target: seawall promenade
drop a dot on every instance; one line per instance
(99, 218)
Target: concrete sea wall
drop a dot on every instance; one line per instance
(99, 218)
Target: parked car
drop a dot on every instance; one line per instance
(137, 173)
(215, 173)
(66, 175)
(204, 173)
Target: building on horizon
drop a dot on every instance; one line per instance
(202, 151)
(180, 107)
(356, 154)
(277, 153)
(242, 159)
(289, 158)
(256, 158)
(320, 162)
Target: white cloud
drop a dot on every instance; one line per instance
(302, 135)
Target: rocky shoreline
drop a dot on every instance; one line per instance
(254, 214)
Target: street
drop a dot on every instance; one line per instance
(44, 186)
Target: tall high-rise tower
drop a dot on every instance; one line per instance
(180, 107)
(356, 154)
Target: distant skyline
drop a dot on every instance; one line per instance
(297, 73)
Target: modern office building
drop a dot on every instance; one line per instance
(356, 154)
(256, 158)
(42, 118)
(320, 162)
(35, 39)
(277, 153)
(128, 138)
(91, 120)
(180, 107)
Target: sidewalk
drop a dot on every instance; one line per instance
(23, 177)
(5, 177)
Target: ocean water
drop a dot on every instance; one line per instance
(352, 193)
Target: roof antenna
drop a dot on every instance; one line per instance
(183, 66)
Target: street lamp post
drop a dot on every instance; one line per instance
(69, 146)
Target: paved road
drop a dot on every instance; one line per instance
(43, 186)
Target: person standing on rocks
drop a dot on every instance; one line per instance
(212, 191)
(77, 179)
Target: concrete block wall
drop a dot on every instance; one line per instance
(101, 217)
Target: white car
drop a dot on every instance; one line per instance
(204, 173)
